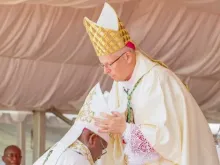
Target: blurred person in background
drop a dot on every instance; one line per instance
(12, 155)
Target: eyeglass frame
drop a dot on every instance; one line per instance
(109, 65)
(11, 155)
(104, 151)
(103, 146)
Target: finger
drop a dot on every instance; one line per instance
(103, 131)
(105, 115)
(116, 114)
(101, 121)
(98, 119)
(101, 126)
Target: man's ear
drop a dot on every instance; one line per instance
(92, 139)
(128, 56)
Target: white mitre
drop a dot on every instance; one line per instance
(94, 104)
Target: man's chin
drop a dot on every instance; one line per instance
(115, 78)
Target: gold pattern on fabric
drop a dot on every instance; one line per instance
(106, 41)
(86, 114)
(126, 159)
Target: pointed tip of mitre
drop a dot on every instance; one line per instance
(108, 18)
(85, 20)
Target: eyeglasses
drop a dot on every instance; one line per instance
(109, 65)
(11, 155)
(104, 151)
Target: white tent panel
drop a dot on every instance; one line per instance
(46, 58)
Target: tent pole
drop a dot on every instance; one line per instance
(21, 140)
(58, 114)
(39, 134)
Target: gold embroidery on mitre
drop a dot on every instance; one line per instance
(86, 114)
(106, 41)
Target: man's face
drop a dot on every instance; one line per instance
(12, 156)
(115, 65)
(98, 147)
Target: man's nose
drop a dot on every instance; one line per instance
(106, 70)
(15, 158)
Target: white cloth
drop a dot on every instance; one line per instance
(94, 104)
(168, 122)
(168, 117)
(71, 157)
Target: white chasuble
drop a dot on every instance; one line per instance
(169, 127)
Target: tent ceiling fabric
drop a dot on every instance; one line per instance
(46, 58)
(203, 5)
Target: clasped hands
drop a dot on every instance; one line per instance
(114, 123)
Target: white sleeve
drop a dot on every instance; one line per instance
(138, 147)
